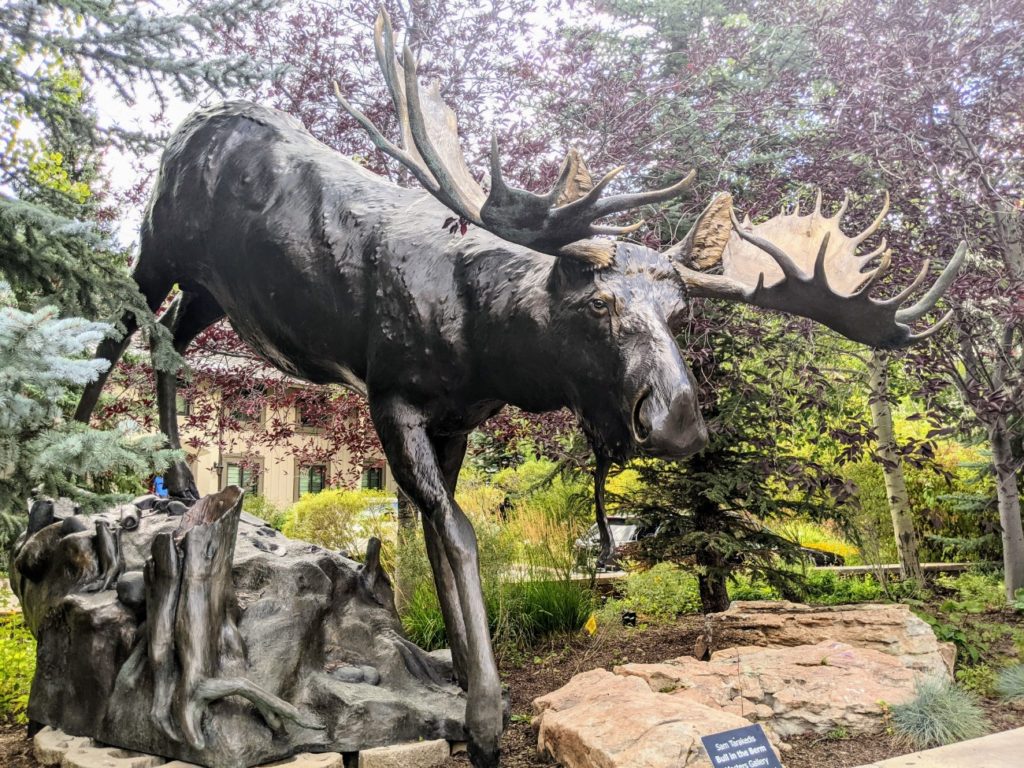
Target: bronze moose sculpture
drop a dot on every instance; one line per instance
(334, 274)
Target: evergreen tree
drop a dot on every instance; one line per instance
(761, 395)
(60, 270)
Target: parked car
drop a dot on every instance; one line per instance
(625, 530)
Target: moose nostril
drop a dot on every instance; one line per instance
(641, 426)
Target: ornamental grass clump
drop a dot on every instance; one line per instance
(939, 714)
(1010, 683)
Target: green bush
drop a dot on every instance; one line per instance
(659, 593)
(979, 679)
(826, 588)
(264, 509)
(525, 561)
(744, 588)
(17, 666)
(976, 592)
(940, 714)
(332, 518)
(1010, 683)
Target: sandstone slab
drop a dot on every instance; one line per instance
(603, 720)
(309, 760)
(419, 754)
(99, 756)
(797, 690)
(51, 744)
(892, 629)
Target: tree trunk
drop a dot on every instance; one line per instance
(404, 587)
(1008, 496)
(712, 569)
(892, 469)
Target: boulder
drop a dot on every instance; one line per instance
(604, 720)
(797, 690)
(890, 628)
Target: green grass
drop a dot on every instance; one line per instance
(520, 613)
(940, 714)
(17, 666)
(1010, 683)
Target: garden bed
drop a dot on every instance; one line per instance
(551, 664)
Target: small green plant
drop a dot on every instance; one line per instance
(975, 592)
(422, 619)
(263, 508)
(826, 588)
(969, 647)
(659, 593)
(742, 587)
(1009, 683)
(838, 734)
(939, 714)
(979, 679)
(18, 662)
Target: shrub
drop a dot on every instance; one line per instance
(1010, 683)
(422, 619)
(333, 518)
(939, 714)
(263, 508)
(18, 662)
(826, 588)
(659, 593)
(744, 588)
(979, 679)
(976, 592)
(524, 563)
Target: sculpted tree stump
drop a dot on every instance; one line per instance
(210, 638)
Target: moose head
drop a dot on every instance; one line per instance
(614, 307)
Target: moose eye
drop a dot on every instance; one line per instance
(598, 306)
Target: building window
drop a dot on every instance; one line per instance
(310, 479)
(182, 407)
(308, 417)
(246, 407)
(244, 473)
(373, 478)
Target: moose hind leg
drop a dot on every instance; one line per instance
(191, 312)
(415, 463)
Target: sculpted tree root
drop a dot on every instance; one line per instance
(192, 628)
(204, 635)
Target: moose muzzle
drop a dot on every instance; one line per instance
(668, 425)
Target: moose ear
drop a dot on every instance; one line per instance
(704, 244)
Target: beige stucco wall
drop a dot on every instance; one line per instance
(277, 481)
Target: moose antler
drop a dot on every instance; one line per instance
(805, 265)
(559, 222)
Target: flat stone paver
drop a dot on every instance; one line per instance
(309, 760)
(108, 757)
(417, 754)
(998, 750)
(50, 745)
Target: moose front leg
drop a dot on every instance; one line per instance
(417, 468)
(606, 557)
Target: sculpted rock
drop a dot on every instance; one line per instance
(803, 689)
(604, 720)
(211, 639)
(891, 629)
